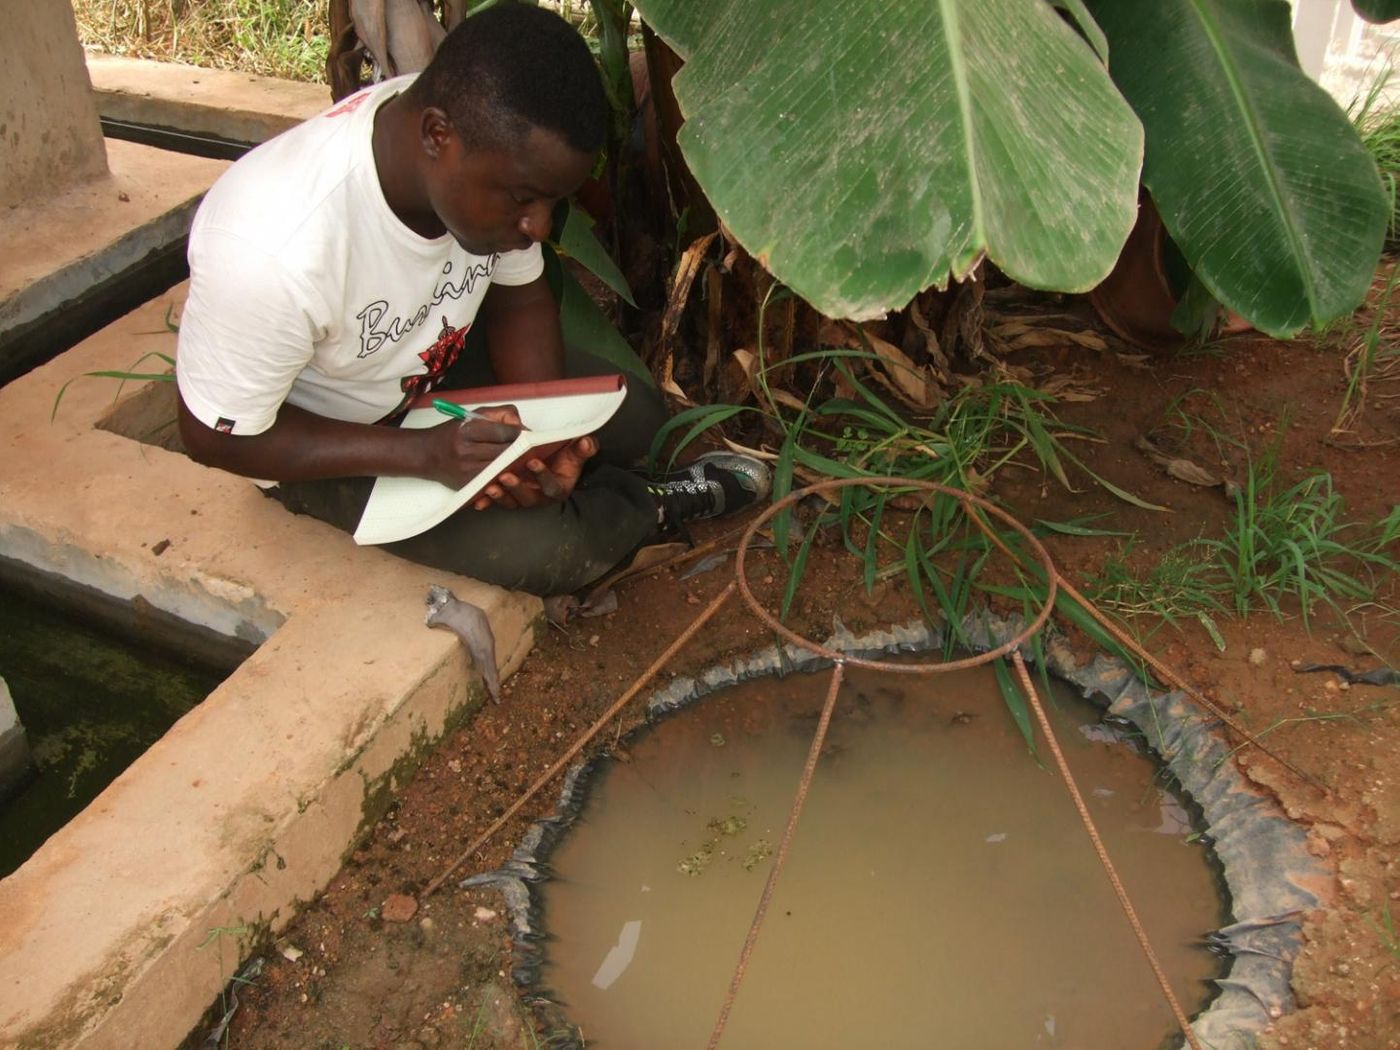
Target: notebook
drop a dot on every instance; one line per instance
(552, 413)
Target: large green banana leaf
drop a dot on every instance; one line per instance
(864, 150)
(1377, 10)
(1257, 172)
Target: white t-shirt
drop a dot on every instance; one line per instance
(305, 288)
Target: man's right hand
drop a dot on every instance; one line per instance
(456, 452)
(302, 446)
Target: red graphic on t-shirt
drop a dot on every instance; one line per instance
(439, 358)
(351, 104)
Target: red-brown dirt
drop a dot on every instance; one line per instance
(441, 979)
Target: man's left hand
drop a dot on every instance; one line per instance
(543, 481)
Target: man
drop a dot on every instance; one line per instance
(337, 269)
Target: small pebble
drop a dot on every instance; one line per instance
(399, 907)
(484, 915)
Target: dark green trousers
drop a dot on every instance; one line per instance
(555, 549)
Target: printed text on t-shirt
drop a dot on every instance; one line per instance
(379, 329)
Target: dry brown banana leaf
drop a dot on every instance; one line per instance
(895, 371)
(748, 362)
(1177, 467)
(941, 367)
(369, 19)
(679, 295)
(414, 33)
(453, 11)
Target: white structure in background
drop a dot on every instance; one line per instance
(1344, 53)
(14, 747)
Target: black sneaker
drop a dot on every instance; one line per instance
(715, 484)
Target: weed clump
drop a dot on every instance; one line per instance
(278, 38)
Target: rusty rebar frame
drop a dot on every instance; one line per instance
(1054, 583)
(839, 662)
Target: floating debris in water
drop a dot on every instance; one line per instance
(729, 825)
(757, 854)
(726, 827)
(697, 862)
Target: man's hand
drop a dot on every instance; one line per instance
(549, 480)
(457, 452)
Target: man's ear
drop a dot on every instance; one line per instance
(434, 131)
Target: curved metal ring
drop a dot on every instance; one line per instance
(967, 500)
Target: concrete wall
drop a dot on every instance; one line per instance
(49, 134)
(247, 807)
(14, 746)
(1343, 53)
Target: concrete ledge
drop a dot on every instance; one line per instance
(218, 102)
(249, 804)
(59, 248)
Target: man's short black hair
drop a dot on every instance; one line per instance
(511, 67)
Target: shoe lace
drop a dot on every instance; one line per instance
(686, 499)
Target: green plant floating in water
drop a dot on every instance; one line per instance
(729, 825)
(726, 827)
(757, 854)
(697, 862)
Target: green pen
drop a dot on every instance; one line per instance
(456, 411)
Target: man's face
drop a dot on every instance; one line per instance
(499, 201)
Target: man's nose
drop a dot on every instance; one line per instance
(536, 221)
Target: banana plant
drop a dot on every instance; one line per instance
(865, 150)
(1377, 10)
(1259, 175)
(391, 36)
(884, 146)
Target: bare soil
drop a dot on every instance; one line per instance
(442, 978)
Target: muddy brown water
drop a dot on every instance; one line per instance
(940, 890)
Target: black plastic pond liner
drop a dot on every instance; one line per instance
(1268, 872)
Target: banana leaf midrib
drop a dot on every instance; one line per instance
(957, 66)
(1266, 161)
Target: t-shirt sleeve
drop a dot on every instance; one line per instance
(245, 334)
(520, 267)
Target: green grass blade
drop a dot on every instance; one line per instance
(125, 376)
(782, 486)
(1123, 494)
(1073, 528)
(799, 566)
(1015, 701)
(698, 419)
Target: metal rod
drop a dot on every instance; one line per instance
(813, 753)
(1100, 849)
(579, 744)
